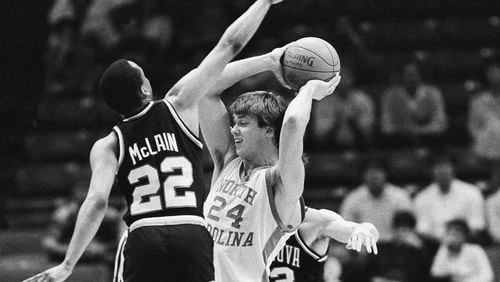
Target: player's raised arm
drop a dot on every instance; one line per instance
(104, 165)
(288, 175)
(214, 117)
(192, 87)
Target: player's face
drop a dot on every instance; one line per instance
(443, 173)
(249, 138)
(411, 74)
(454, 237)
(146, 85)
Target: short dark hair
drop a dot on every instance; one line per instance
(460, 225)
(403, 218)
(120, 86)
(268, 107)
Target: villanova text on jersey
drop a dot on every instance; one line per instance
(289, 255)
(152, 146)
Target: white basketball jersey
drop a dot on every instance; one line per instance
(242, 219)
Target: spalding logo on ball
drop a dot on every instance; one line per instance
(309, 58)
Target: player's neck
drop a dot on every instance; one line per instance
(259, 160)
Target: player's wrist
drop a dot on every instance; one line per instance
(68, 265)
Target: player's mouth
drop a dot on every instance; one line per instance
(238, 140)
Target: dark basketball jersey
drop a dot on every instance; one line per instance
(160, 173)
(297, 262)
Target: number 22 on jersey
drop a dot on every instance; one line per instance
(146, 197)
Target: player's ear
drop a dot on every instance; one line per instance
(269, 131)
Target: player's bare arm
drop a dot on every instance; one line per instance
(186, 94)
(215, 120)
(104, 164)
(289, 173)
(326, 224)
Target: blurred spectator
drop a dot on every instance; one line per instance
(448, 198)
(376, 201)
(484, 123)
(413, 112)
(493, 213)
(64, 19)
(101, 249)
(458, 260)
(344, 120)
(405, 256)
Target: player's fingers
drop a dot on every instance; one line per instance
(374, 245)
(359, 243)
(349, 244)
(35, 278)
(333, 83)
(368, 244)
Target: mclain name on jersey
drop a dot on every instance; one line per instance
(159, 142)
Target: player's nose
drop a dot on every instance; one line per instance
(234, 130)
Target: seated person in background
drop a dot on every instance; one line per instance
(484, 123)
(457, 260)
(344, 120)
(448, 198)
(405, 257)
(413, 113)
(375, 201)
(303, 257)
(101, 249)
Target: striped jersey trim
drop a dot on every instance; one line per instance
(167, 220)
(308, 250)
(181, 124)
(119, 259)
(274, 210)
(121, 145)
(141, 113)
(274, 244)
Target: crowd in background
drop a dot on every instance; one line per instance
(437, 232)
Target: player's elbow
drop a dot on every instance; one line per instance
(97, 202)
(231, 45)
(295, 123)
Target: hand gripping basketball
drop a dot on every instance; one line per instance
(320, 88)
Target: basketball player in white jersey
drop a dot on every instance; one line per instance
(258, 179)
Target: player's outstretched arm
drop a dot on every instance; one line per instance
(214, 117)
(289, 173)
(332, 225)
(192, 87)
(104, 164)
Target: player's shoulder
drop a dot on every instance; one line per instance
(466, 188)
(104, 145)
(396, 191)
(357, 193)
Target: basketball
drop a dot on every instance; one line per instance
(309, 58)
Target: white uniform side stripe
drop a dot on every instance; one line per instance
(118, 271)
(184, 128)
(308, 250)
(121, 145)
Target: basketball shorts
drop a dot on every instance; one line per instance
(165, 253)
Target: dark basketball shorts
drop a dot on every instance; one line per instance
(165, 253)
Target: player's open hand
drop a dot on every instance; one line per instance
(58, 273)
(365, 234)
(320, 88)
